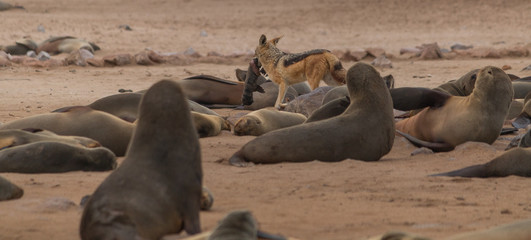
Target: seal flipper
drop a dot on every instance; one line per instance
(522, 121)
(472, 171)
(238, 160)
(411, 98)
(436, 147)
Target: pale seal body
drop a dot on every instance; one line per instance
(157, 189)
(359, 133)
(209, 125)
(477, 117)
(109, 130)
(266, 120)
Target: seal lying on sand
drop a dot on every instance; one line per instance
(16, 137)
(206, 89)
(9, 190)
(266, 120)
(65, 44)
(157, 189)
(359, 133)
(478, 117)
(520, 230)
(110, 131)
(516, 161)
(55, 157)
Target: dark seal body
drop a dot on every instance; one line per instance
(157, 189)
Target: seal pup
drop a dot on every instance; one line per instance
(516, 161)
(478, 117)
(8, 190)
(524, 118)
(358, 133)
(266, 120)
(109, 130)
(157, 189)
(209, 125)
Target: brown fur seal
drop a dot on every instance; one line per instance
(516, 161)
(65, 44)
(9, 190)
(330, 109)
(55, 157)
(157, 189)
(239, 225)
(524, 118)
(206, 89)
(110, 131)
(269, 96)
(125, 106)
(209, 125)
(16, 137)
(477, 117)
(359, 133)
(266, 120)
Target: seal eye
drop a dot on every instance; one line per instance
(490, 72)
(473, 77)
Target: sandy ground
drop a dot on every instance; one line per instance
(345, 200)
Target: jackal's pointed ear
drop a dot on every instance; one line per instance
(262, 40)
(275, 40)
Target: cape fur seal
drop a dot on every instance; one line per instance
(209, 125)
(516, 161)
(55, 157)
(359, 133)
(477, 117)
(109, 130)
(8, 190)
(16, 137)
(206, 89)
(266, 120)
(157, 189)
(65, 44)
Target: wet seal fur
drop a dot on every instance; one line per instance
(157, 189)
(359, 133)
(477, 117)
(266, 120)
(286, 69)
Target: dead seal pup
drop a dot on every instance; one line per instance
(359, 133)
(157, 189)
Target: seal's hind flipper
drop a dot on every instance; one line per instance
(436, 147)
(411, 98)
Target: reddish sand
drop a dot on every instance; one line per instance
(345, 200)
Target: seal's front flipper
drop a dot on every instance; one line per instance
(436, 147)
(411, 98)
(522, 121)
